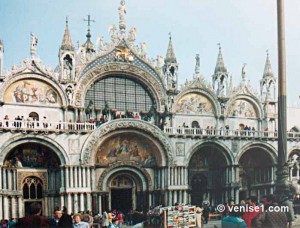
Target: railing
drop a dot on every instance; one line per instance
(24, 125)
(226, 133)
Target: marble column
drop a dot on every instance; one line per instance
(100, 204)
(46, 211)
(75, 177)
(1, 203)
(6, 207)
(180, 197)
(237, 195)
(185, 197)
(70, 203)
(9, 179)
(20, 206)
(93, 177)
(175, 197)
(76, 208)
(15, 180)
(62, 177)
(89, 201)
(170, 198)
(82, 202)
(71, 178)
(175, 176)
(62, 201)
(88, 184)
(83, 177)
(76, 115)
(14, 207)
(67, 177)
(80, 177)
(163, 178)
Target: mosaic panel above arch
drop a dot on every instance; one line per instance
(242, 108)
(128, 147)
(194, 103)
(32, 92)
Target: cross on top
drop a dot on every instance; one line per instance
(89, 20)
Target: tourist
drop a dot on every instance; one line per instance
(233, 220)
(136, 116)
(206, 211)
(249, 215)
(120, 218)
(270, 219)
(110, 217)
(115, 223)
(53, 222)
(35, 220)
(12, 223)
(78, 223)
(65, 220)
(105, 222)
(198, 217)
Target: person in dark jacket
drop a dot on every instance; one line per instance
(57, 214)
(270, 219)
(65, 220)
(35, 220)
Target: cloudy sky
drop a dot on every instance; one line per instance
(246, 29)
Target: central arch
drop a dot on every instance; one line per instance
(125, 179)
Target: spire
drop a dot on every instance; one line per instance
(89, 46)
(220, 66)
(170, 57)
(66, 43)
(268, 68)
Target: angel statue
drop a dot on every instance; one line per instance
(113, 33)
(101, 45)
(159, 61)
(243, 71)
(122, 11)
(143, 50)
(34, 42)
(132, 35)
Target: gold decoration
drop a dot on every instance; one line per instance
(123, 52)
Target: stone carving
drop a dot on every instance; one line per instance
(33, 44)
(143, 50)
(69, 92)
(123, 53)
(122, 12)
(132, 35)
(113, 33)
(101, 46)
(91, 144)
(180, 149)
(159, 61)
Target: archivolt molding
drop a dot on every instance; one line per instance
(155, 87)
(49, 80)
(206, 92)
(131, 166)
(90, 146)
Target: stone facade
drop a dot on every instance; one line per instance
(113, 121)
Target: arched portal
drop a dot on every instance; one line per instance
(256, 173)
(34, 170)
(207, 174)
(124, 188)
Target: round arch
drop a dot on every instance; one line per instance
(221, 147)
(45, 141)
(48, 80)
(132, 169)
(269, 149)
(206, 93)
(155, 88)
(252, 100)
(88, 153)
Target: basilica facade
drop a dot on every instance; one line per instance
(110, 128)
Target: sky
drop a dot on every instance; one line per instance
(246, 29)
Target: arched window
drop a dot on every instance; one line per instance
(119, 93)
(32, 188)
(195, 124)
(34, 116)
